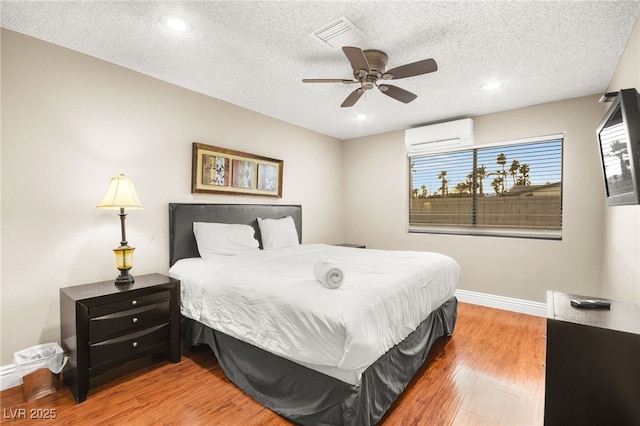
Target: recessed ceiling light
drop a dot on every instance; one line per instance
(492, 85)
(175, 23)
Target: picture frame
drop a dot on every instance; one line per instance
(217, 170)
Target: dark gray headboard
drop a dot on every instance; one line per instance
(182, 243)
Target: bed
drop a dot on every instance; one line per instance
(316, 355)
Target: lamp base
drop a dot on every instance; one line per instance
(124, 278)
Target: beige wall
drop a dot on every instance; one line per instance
(69, 123)
(621, 265)
(375, 206)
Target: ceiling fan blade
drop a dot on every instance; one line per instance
(328, 80)
(397, 93)
(355, 55)
(352, 98)
(416, 68)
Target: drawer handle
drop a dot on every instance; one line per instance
(135, 344)
(135, 319)
(134, 302)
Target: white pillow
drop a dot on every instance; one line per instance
(278, 233)
(224, 238)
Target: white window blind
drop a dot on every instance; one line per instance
(512, 189)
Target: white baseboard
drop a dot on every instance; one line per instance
(505, 303)
(8, 377)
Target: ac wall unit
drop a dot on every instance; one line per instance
(439, 137)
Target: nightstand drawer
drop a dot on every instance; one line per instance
(103, 327)
(129, 303)
(129, 346)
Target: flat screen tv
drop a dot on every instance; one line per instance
(619, 139)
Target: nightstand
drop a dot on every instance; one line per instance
(351, 245)
(104, 326)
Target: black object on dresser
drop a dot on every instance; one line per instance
(593, 363)
(104, 326)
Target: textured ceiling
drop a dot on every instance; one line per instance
(255, 53)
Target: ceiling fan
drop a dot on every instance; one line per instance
(369, 67)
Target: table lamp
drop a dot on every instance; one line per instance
(122, 195)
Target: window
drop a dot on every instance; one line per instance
(508, 189)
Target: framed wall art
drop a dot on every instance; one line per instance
(218, 170)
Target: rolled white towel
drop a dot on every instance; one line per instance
(328, 273)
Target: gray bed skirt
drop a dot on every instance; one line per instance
(308, 397)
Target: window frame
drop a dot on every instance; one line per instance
(544, 234)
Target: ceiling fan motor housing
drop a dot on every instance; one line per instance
(377, 60)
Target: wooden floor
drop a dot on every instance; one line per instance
(491, 372)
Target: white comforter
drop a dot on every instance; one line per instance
(271, 300)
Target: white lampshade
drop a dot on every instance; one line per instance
(121, 195)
